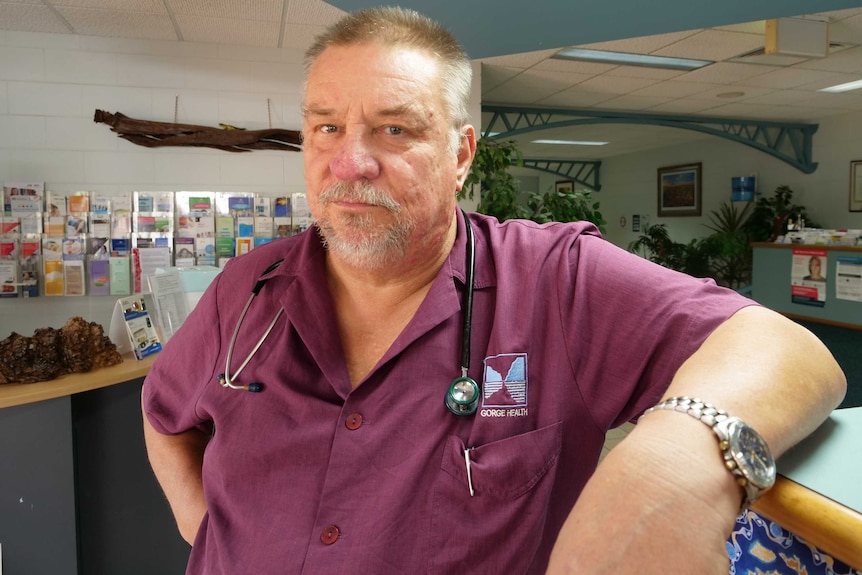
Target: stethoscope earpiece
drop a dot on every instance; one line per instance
(252, 387)
(462, 397)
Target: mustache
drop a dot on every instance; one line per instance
(361, 192)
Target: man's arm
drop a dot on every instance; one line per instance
(662, 501)
(177, 460)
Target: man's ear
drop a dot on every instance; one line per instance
(466, 152)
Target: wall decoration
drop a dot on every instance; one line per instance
(856, 186)
(679, 190)
(228, 138)
(564, 186)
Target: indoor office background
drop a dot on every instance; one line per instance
(237, 64)
(52, 82)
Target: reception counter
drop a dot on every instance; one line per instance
(771, 283)
(23, 393)
(77, 495)
(817, 495)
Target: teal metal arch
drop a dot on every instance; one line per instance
(791, 143)
(584, 172)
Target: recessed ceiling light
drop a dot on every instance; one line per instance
(843, 87)
(571, 142)
(623, 58)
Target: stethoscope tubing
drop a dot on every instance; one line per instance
(465, 405)
(468, 304)
(228, 378)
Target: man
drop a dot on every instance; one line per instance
(348, 459)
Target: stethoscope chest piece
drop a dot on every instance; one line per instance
(462, 397)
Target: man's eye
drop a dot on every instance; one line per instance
(328, 129)
(394, 130)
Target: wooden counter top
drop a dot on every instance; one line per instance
(830, 526)
(22, 393)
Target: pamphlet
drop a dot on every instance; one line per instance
(132, 327)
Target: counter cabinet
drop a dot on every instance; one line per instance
(77, 495)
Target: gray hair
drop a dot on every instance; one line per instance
(393, 26)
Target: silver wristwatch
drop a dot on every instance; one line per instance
(745, 452)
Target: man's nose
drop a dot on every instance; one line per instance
(355, 160)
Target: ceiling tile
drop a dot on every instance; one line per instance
(645, 72)
(31, 18)
(224, 31)
(145, 6)
(493, 76)
(524, 60)
(724, 73)
(632, 102)
(313, 12)
(846, 101)
(574, 66)
(683, 106)
(849, 60)
(642, 45)
(713, 45)
(575, 98)
(615, 84)
(830, 79)
(523, 88)
(92, 22)
(259, 10)
(300, 37)
(675, 89)
(787, 78)
(722, 93)
(847, 29)
(781, 98)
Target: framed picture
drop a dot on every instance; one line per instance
(679, 190)
(564, 186)
(856, 186)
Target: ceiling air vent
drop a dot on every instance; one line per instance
(797, 37)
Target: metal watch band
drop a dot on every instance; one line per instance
(706, 412)
(719, 421)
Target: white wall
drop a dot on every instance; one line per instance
(51, 84)
(629, 182)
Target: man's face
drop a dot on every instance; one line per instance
(380, 172)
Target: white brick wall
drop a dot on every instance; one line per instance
(51, 84)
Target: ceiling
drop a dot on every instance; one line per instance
(516, 67)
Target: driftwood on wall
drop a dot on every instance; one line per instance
(158, 134)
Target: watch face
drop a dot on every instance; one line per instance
(752, 455)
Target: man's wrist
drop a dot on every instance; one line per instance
(746, 454)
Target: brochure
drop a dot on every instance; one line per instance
(132, 327)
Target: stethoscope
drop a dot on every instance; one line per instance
(462, 397)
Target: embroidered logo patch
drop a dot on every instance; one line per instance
(505, 385)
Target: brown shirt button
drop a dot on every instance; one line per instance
(353, 421)
(329, 535)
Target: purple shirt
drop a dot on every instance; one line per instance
(571, 336)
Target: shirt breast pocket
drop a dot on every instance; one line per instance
(500, 527)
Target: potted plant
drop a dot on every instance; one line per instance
(771, 215)
(729, 245)
(573, 206)
(499, 190)
(656, 245)
(497, 186)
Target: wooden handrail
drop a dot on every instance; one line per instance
(829, 526)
